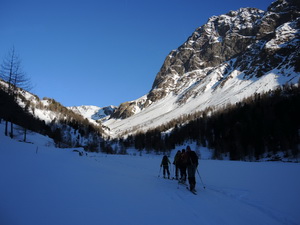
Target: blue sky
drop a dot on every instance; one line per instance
(102, 53)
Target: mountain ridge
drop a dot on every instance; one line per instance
(231, 57)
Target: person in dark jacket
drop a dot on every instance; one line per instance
(165, 164)
(192, 164)
(182, 166)
(177, 163)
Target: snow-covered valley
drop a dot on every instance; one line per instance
(236, 55)
(41, 184)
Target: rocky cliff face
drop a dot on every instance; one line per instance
(248, 40)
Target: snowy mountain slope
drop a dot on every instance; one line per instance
(45, 185)
(167, 108)
(70, 126)
(93, 113)
(229, 58)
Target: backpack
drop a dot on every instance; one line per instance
(165, 161)
(192, 158)
(177, 159)
(183, 159)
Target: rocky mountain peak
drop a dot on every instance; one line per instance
(284, 6)
(220, 39)
(247, 40)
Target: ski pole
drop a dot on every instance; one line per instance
(201, 179)
(174, 171)
(159, 171)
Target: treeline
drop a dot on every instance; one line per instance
(74, 129)
(263, 123)
(68, 117)
(12, 113)
(67, 129)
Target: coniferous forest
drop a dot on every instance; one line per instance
(12, 113)
(263, 123)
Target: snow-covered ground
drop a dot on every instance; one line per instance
(42, 185)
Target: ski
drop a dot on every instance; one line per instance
(182, 182)
(194, 192)
(165, 178)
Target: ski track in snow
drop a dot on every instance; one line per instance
(240, 195)
(179, 194)
(55, 186)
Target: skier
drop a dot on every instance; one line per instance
(165, 163)
(192, 164)
(176, 163)
(182, 166)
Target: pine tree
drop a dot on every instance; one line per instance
(11, 72)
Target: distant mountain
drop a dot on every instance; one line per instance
(231, 57)
(93, 113)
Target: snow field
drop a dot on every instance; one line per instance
(57, 186)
